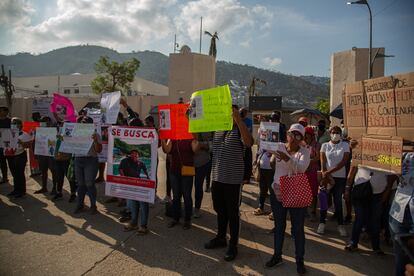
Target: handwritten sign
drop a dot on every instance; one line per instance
(380, 153)
(77, 138)
(137, 148)
(269, 135)
(173, 121)
(45, 141)
(63, 109)
(42, 105)
(110, 107)
(210, 110)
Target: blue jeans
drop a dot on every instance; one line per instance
(86, 169)
(368, 212)
(407, 226)
(138, 208)
(200, 175)
(297, 218)
(182, 186)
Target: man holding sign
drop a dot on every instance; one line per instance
(227, 175)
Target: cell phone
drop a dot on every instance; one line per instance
(406, 242)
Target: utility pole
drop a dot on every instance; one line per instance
(201, 31)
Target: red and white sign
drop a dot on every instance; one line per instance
(132, 163)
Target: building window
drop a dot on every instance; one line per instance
(66, 91)
(76, 91)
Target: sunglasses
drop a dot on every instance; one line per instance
(297, 136)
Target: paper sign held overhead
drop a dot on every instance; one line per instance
(269, 136)
(173, 122)
(211, 110)
(110, 107)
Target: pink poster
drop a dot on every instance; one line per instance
(63, 109)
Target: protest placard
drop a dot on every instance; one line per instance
(9, 140)
(77, 138)
(45, 141)
(95, 114)
(173, 121)
(380, 153)
(62, 108)
(210, 110)
(269, 135)
(42, 105)
(103, 131)
(110, 107)
(132, 163)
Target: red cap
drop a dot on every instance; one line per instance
(309, 130)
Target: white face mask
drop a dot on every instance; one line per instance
(13, 126)
(335, 137)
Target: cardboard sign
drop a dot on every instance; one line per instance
(45, 141)
(77, 138)
(132, 163)
(173, 121)
(404, 101)
(210, 110)
(380, 153)
(63, 109)
(110, 107)
(269, 135)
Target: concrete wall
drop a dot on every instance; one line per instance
(351, 66)
(189, 72)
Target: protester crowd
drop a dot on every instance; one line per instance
(317, 157)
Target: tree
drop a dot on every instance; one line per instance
(114, 76)
(323, 106)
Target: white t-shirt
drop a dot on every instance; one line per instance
(377, 179)
(334, 154)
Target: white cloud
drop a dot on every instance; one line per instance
(271, 61)
(15, 12)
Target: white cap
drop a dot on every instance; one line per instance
(297, 127)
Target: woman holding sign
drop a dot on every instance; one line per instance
(181, 172)
(86, 168)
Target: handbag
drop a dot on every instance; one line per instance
(185, 170)
(361, 192)
(295, 191)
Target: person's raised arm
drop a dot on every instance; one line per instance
(247, 138)
(131, 112)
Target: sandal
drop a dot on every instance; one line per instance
(259, 212)
(129, 227)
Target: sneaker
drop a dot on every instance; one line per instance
(259, 212)
(321, 228)
(197, 213)
(274, 262)
(342, 231)
(216, 243)
(143, 230)
(187, 225)
(57, 197)
(41, 191)
(166, 199)
(93, 210)
(300, 268)
(72, 198)
(172, 223)
(231, 253)
(351, 247)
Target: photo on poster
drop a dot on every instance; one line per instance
(196, 108)
(131, 160)
(165, 119)
(268, 135)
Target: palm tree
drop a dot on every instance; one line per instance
(213, 50)
(252, 86)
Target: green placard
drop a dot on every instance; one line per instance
(210, 110)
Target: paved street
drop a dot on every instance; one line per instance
(40, 237)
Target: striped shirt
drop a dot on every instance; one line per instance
(228, 164)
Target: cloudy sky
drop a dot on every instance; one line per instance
(290, 36)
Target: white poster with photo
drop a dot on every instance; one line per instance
(45, 141)
(9, 139)
(103, 131)
(42, 105)
(132, 163)
(165, 119)
(77, 138)
(95, 114)
(269, 135)
(110, 107)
